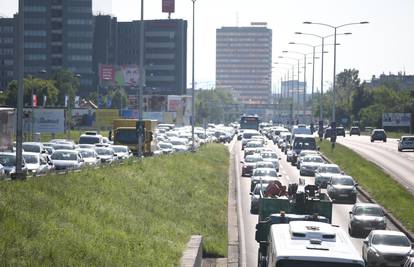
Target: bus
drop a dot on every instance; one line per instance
(310, 244)
(250, 122)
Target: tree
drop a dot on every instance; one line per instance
(39, 88)
(215, 106)
(67, 84)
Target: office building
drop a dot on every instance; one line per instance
(244, 62)
(105, 41)
(165, 54)
(58, 34)
(295, 88)
(7, 51)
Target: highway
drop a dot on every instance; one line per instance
(247, 222)
(399, 165)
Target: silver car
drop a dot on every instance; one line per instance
(310, 164)
(324, 173)
(365, 217)
(385, 247)
(255, 196)
(406, 142)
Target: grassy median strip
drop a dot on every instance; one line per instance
(137, 214)
(382, 187)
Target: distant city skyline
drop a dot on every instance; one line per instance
(383, 46)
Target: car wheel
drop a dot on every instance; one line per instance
(385, 140)
(351, 232)
(400, 150)
(301, 173)
(372, 141)
(353, 200)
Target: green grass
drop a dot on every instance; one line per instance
(383, 188)
(137, 214)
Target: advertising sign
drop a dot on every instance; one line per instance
(174, 102)
(113, 75)
(83, 118)
(396, 119)
(105, 118)
(49, 120)
(168, 6)
(159, 116)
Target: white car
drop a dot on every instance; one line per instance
(67, 160)
(89, 156)
(122, 152)
(271, 157)
(36, 165)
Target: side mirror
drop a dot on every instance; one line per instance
(98, 157)
(356, 184)
(350, 212)
(81, 160)
(115, 155)
(318, 148)
(279, 175)
(251, 193)
(365, 242)
(242, 161)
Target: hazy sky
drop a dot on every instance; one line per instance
(385, 45)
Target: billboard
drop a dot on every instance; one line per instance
(49, 120)
(114, 75)
(168, 6)
(396, 120)
(83, 118)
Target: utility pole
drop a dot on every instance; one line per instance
(193, 83)
(141, 79)
(19, 174)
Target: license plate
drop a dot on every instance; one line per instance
(343, 195)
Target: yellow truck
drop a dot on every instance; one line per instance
(124, 132)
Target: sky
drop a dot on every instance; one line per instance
(384, 45)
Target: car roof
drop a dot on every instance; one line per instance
(388, 232)
(31, 154)
(66, 151)
(337, 176)
(264, 169)
(329, 165)
(362, 204)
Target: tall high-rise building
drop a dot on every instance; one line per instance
(165, 52)
(244, 62)
(7, 51)
(58, 34)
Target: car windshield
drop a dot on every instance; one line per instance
(165, 146)
(269, 155)
(332, 169)
(313, 159)
(254, 145)
(371, 211)
(62, 146)
(265, 172)
(31, 148)
(264, 165)
(103, 151)
(178, 143)
(8, 160)
(120, 149)
(31, 159)
(253, 159)
(64, 156)
(391, 240)
(89, 139)
(305, 145)
(249, 135)
(342, 181)
(87, 154)
(259, 187)
(408, 139)
(307, 263)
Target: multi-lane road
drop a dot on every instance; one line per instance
(400, 165)
(247, 221)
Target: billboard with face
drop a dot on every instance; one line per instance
(113, 75)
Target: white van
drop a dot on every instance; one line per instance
(310, 244)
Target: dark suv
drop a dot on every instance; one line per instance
(378, 134)
(354, 130)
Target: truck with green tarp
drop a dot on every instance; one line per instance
(305, 203)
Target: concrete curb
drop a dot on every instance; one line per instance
(232, 219)
(193, 254)
(388, 214)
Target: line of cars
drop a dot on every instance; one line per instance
(171, 139)
(381, 247)
(61, 154)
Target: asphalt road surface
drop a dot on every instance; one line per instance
(399, 165)
(247, 221)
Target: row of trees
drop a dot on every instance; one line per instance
(215, 106)
(61, 85)
(356, 101)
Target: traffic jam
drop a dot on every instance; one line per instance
(294, 226)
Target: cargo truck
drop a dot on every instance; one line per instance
(124, 132)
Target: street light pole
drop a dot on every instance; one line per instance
(333, 123)
(19, 127)
(140, 100)
(193, 82)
